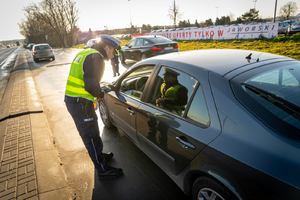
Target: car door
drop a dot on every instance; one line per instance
(127, 50)
(171, 138)
(124, 103)
(136, 49)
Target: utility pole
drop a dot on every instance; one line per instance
(275, 11)
(217, 16)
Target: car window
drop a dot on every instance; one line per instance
(146, 42)
(132, 42)
(174, 95)
(274, 97)
(160, 40)
(139, 42)
(198, 109)
(134, 83)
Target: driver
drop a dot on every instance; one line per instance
(173, 94)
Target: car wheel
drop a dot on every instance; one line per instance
(122, 59)
(53, 58)
(105, 115)
(208, 189)
(143, 56)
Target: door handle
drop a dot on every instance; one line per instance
(185, 144)
(131, 112)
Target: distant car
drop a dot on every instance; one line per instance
(91, 42)
(7, 46)
(144, 47)
(236, 135)
(30, 45)
(282, 28)
(295, 28)
(42, 51)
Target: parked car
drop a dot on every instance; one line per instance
(42, 51)
(30, 45)
(237, 137)
(295, 28)
(282, 28)
(91, 42)
(144, 47)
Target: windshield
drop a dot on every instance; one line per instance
(273, 95)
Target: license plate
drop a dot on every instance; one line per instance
(168, 48)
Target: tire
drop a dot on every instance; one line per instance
(206, 188)
(143, 56)
(53, 58)
(121, 57)
(105, 115)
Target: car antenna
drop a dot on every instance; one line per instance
(249, 56)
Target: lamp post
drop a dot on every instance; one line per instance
(217, 16)
(275, 11)
(254, 4)
(130, 18)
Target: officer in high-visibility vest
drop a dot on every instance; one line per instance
(173, 94)
(82, 90)
(115, 64)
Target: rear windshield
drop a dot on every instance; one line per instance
(42, 47)
(273, 95)
(160, 40)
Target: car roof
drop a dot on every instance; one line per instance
(41, 44)
(150, 36)
(220, 61)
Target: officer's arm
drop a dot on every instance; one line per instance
(93, 68)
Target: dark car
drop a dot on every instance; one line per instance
(30, 45)
(42, 51)
(238, 135)
(294, 28)
(144, 47)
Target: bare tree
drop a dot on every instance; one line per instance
(55, 18)
(288, 9)
(174, 13)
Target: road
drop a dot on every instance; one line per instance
(142, 178)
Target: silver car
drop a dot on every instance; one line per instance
(42, 51)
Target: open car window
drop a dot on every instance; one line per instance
(134, 83)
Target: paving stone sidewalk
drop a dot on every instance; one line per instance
(29, 162)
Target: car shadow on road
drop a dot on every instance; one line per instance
(142, 178)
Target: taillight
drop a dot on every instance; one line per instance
(34, 52)
(50, 50)
(176, 47)
(156, 49)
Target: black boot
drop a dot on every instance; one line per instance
(108, 156)
(110, 173)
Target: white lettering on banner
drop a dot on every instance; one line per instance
(268, 30)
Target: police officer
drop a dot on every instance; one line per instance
(173, 95)
(82, 90)
(115, 64)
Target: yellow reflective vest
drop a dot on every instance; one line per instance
(75, 83)
(170, 94)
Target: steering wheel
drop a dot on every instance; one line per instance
(140, 83)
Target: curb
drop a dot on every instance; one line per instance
(30, 166)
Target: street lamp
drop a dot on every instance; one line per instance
(254, 4)
(130, 17)
(217, 16)
(275, 11)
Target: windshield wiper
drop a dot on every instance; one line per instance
(270, 96)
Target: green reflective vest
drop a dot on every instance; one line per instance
(171, 95)
(75, 83)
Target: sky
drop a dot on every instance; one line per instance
(96, 14)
